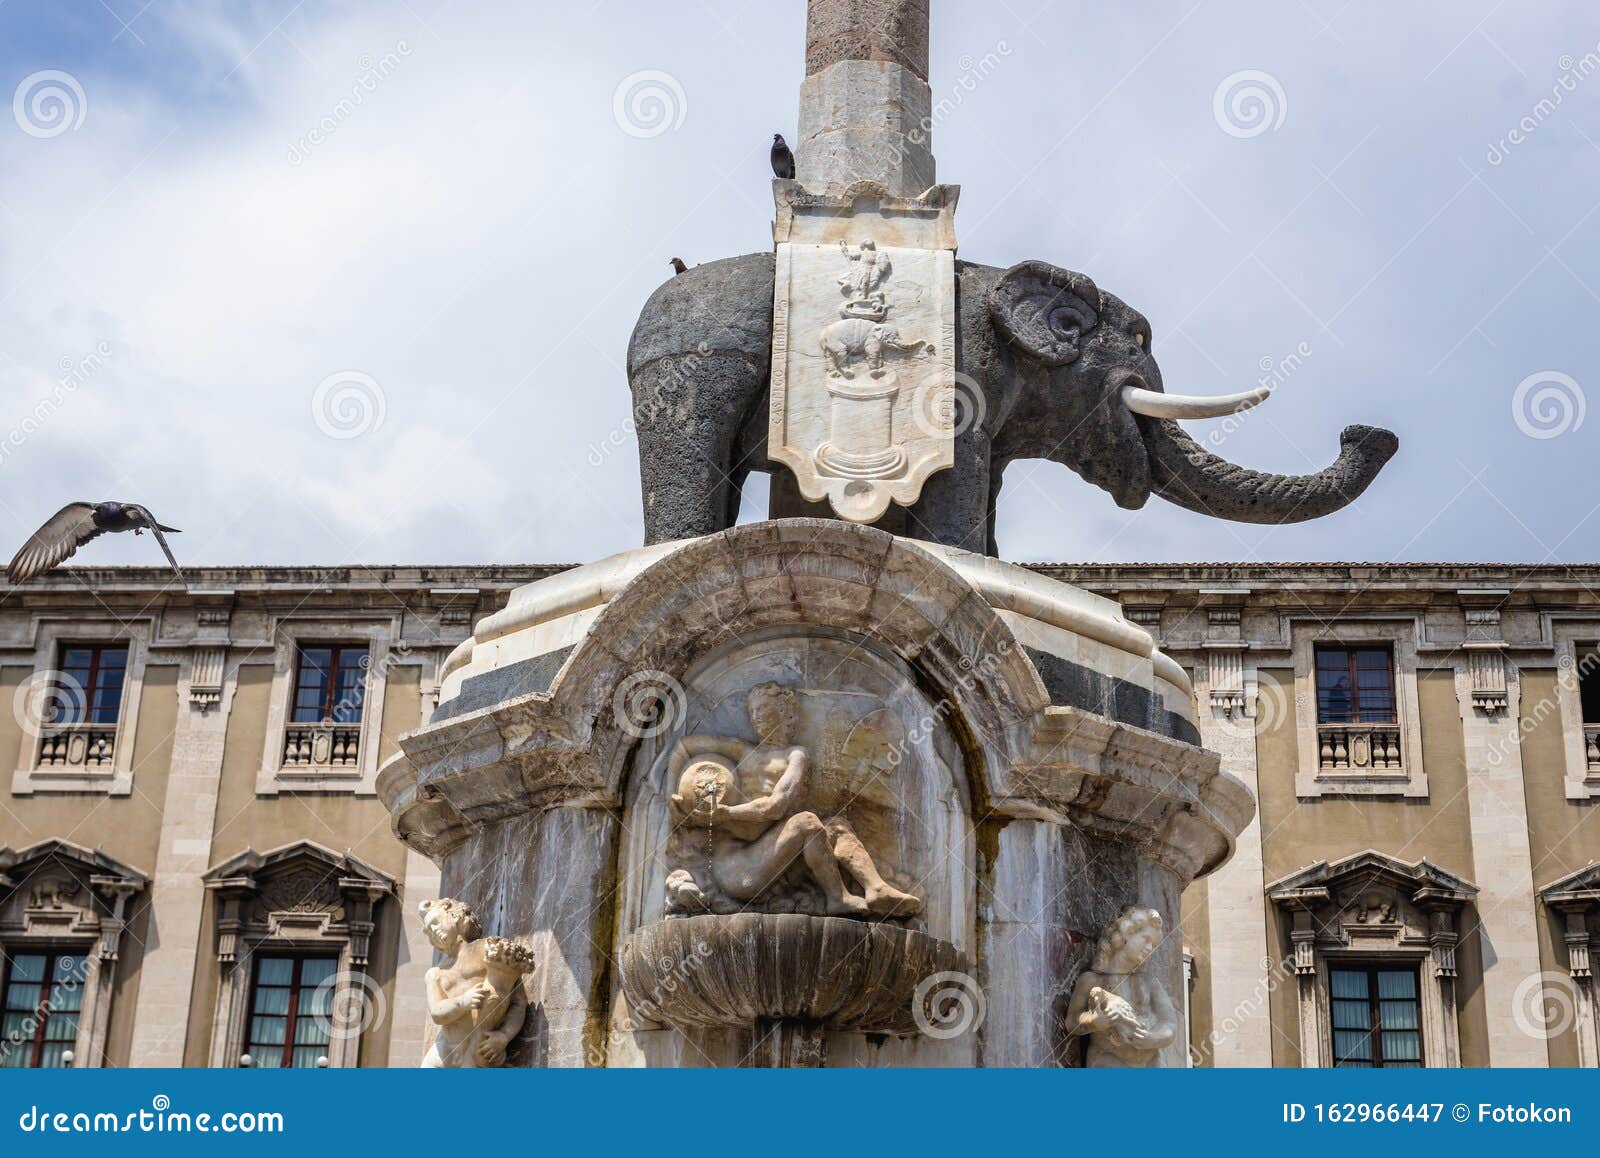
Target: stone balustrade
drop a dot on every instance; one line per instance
(1359, 746)
(321, 745)
(78, 746)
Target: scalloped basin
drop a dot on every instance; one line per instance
(746, 968)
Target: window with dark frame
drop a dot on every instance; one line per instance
(1355, 685)
(291, 1004)
(88, 683)
(1589, 686)
(1376, 1017)
(43, 996)
(330, 684)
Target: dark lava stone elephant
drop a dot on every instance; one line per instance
(1062, 371)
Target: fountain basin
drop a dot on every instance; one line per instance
(746, 969)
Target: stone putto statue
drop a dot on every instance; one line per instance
(477, 1000)
(1125, 1013)
(740, 820)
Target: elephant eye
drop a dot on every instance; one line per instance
(1069, 320)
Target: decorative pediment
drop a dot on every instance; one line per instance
(57, 889)
(300, 892)
(1575, 896)
(1580, 889)
(1424, 882)
(1376, 902)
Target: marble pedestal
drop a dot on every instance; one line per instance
(1006, 751)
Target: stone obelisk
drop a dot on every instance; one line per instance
(865, 106)
(865, 277)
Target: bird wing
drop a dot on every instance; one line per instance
(67, 530)
(155, 529)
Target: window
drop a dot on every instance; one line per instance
(1589, 687)
(1355, 685)
(330, 685)
(291, 1008)
(1376, 1018)
(43, 995)
(91, 684)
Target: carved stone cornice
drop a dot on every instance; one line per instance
(1030, 758)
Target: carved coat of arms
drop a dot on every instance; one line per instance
(863, 351)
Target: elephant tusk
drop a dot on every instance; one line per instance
(1154, 404)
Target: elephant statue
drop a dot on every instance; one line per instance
(1065, 372)
(861, 337)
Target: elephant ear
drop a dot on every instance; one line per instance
(1045, 310)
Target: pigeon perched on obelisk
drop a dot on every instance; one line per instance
(74, 525)
(782, 158)
(678, 266)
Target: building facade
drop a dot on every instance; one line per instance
(195, 869)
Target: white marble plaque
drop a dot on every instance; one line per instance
(863, 344)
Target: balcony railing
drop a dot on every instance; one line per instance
(1591, 747)
(322, 746)
(1359, 747)
(78, 746)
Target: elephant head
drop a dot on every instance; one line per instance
(1092, 398)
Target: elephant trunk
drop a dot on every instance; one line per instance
(1185, 473)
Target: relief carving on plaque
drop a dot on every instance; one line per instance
(863, 389)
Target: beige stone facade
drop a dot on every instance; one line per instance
(1459, 840)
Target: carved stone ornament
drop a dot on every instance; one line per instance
(1374, 907)
(1123, 1011)
(476, 1000)
(56, 896)
(863, 349)
(745, 835)
(785, 978)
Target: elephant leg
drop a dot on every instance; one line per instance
(688, 409)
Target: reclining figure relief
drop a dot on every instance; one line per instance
(743, 837)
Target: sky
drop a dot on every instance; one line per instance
(338, 283)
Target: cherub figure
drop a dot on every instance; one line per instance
(1126, 1015)
(753, 843)
(862, 283)
(477, 1000)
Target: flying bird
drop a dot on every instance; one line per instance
(782, 158)
(678, 266)
(74, 525)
